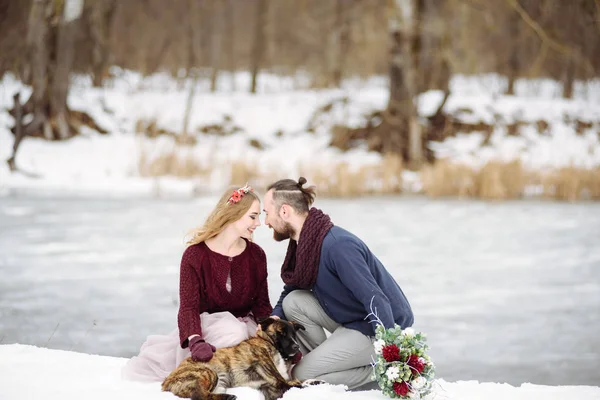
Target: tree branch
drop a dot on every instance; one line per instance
(550, 42)
(539, 60)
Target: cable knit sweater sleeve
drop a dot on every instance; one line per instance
(262, 307)
(188, 318)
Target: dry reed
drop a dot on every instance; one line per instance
(178, 161)
(572, 184)
(494, 181)
(243, 172)
(508, 180)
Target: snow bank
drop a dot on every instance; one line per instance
(279, 118)
(28, 372)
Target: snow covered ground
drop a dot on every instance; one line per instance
(278, 118)
(29, 372)
(506, 292)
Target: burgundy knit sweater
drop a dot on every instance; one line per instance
(202, 286)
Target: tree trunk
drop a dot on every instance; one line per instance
(37, 40)
(342, 29)
(215, 45)
(443, 69)
(102, 15)
(18, 114)
(65, 53)
(402, 114)
(569, 79)
(230, 21)
(50, 49)
(416, 44)
(192, 75)
(513, 61)
(259, 41)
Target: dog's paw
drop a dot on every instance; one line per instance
(312, 382)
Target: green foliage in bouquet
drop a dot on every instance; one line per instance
(403, 369)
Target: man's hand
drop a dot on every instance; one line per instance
(258, 328)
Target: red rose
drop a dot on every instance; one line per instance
(415, 363)
(391, 353)
(401, 388)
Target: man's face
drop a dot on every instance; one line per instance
(282, 229)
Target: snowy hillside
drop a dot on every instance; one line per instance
(284, 130)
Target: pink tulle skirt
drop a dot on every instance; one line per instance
(160, 354)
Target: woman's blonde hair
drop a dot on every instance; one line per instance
(222, 215)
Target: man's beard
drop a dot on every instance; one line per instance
(286, 232)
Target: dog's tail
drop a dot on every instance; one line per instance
(194, 381)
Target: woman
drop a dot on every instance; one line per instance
(222, 290)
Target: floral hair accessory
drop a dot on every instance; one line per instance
(239, 193)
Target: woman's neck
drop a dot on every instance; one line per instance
(227, 243)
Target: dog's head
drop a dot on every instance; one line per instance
(282, 334)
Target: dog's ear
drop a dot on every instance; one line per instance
(297, 326)
(265, 323)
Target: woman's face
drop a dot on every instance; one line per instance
(249, 222)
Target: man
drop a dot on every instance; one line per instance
(332, 282)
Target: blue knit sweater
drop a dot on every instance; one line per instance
(350, 280)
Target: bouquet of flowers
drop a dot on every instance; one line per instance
(402, 369)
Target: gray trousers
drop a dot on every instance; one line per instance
(343, 358)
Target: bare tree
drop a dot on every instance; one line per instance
(342, 35)
(404, 34)
(230, 30)
(51, 50)
(102, 18)
(192, 70)
(215, 45)
(259, 41)
(513, 56)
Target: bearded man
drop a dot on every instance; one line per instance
(332, 282)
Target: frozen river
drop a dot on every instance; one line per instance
(505, 291)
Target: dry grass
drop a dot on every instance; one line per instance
(444, 179)
(341, 180)
(495, 181)
(178, 161)
(572, 184)
(242, 173)
(503, 181)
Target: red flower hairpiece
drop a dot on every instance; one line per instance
(239, 193)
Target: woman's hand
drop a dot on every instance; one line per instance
(201, 351)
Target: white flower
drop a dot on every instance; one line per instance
(410, 332)
(392, 373)
(378, 344)
(414, 395)
(418, 383)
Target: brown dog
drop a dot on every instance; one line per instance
(261, 362)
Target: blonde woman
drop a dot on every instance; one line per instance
(222, 290)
